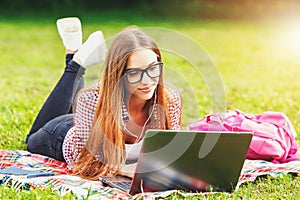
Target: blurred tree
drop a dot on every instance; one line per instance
(174, 8)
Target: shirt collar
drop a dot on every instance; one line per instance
(125, 115)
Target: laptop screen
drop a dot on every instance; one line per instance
(191, 161)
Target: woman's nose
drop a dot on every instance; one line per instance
(145, 79)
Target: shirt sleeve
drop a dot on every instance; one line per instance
(76, 138)
(174, 104)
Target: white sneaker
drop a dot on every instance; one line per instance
(93, 50)
(70, 32)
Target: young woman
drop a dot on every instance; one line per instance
(110, 118)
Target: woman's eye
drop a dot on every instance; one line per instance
(132, 73)
(152, 68)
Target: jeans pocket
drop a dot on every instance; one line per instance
(37, 142)
(48, 140)
(59, 124)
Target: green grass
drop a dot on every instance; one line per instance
(258, 62)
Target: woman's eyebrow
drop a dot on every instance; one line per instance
(141, 66)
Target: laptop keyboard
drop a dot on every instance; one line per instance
(123, 185)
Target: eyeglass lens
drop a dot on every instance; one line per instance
(136, 75)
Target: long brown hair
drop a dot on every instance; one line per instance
(104, 151)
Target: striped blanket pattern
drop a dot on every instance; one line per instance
(65, 182)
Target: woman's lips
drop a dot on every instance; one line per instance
(145, 89)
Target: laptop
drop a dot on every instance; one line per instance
(186, 160)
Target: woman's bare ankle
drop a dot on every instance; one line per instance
(77, 60)
(70, 51)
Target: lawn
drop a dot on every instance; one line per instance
(256, 64)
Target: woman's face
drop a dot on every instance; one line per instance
(142, 88)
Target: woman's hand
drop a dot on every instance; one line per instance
(128, 170)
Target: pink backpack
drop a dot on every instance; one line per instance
(273, 134)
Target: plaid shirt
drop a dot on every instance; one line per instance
(84, 115)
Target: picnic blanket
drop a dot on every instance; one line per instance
(65, 182)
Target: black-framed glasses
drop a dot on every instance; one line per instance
(135, 75)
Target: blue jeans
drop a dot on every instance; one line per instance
(55, 117)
